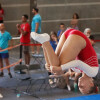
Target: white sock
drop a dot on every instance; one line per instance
(40, 37)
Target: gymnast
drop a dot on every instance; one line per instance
(72, 44)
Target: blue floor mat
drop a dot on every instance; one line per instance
(89, 97)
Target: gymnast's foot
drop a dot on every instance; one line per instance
(40, 37)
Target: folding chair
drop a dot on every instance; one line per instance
(38, 58)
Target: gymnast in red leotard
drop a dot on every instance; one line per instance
(72, 44)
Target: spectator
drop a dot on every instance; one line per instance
(36, 26)
(74, 21)
(4, 38)
(74, 75)
(62, 29)
(87, 32)
(1, 14)
(24, 31)
(53, 40)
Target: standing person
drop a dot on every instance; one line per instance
(36, 26)
(24, 31)
(1, 14)
(72, 44)
(62, 29)
(74, 21)
(4, 38)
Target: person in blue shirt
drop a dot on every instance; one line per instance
(4, 55)
(53, 40)
(36, 25)
(62, 29)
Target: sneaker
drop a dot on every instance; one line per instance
(1, 96)
(27, 65)
(10, 75)
(50, 81)
(40, 37)
(1, 74)
(68, 87)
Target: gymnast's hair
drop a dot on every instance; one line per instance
(94, 89)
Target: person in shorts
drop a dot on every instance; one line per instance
(24, 31)
(4, 55)
(36, 27)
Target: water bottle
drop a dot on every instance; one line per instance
(75, 87)
(18, 95)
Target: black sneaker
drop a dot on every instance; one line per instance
(1, 74)
(10, 75)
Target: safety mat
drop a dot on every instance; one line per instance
(89, 97)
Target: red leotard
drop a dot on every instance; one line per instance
(88, 54)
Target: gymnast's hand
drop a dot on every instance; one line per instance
(47, 67)
(56, 70)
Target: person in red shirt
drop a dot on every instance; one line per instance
(24, 31)
(1, 14)
(72, 44)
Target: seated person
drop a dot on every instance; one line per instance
(87, 32)
(74, 75)
(53, 40)
(72, 44)
(62, 29)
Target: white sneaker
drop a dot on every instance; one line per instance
(40, 37)
(69, 88)
(27, 65)
(1, 96)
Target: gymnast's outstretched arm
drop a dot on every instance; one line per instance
(88, 70)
